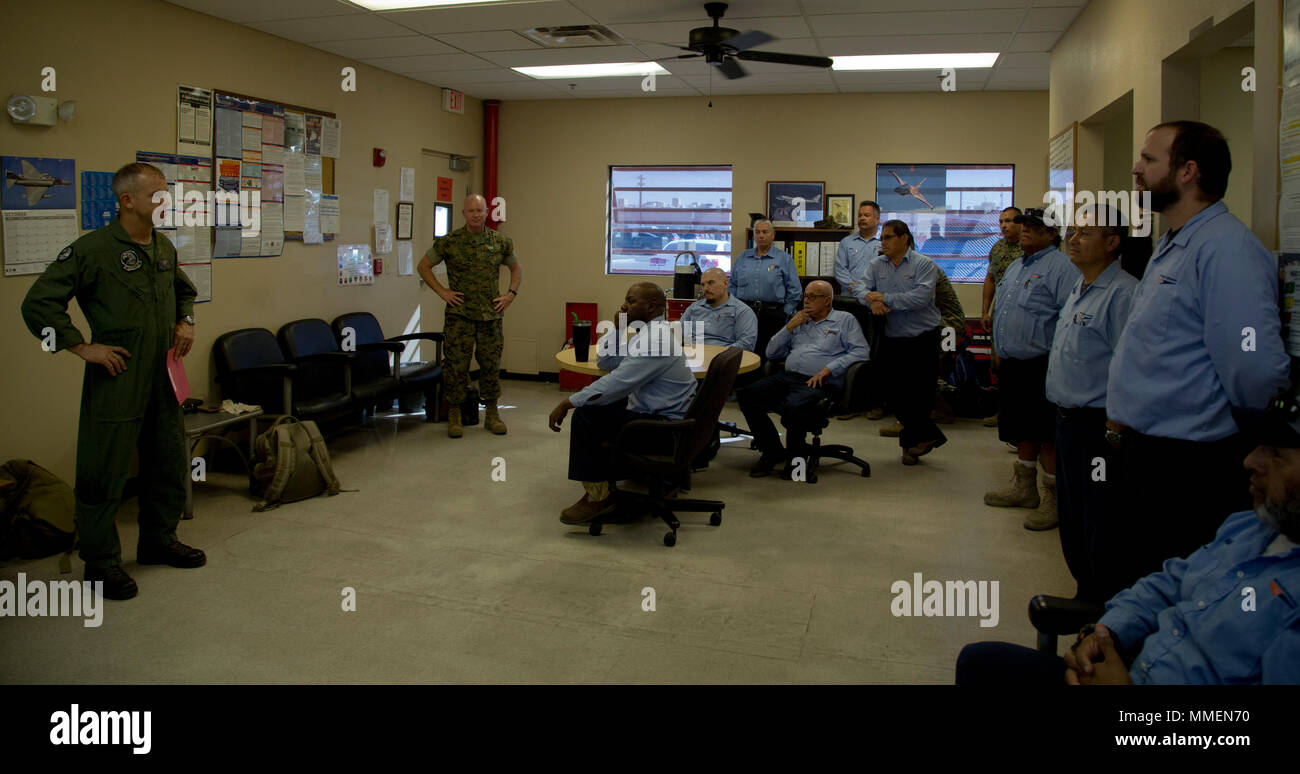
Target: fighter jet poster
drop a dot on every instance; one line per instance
(911, 187)
(38, 184)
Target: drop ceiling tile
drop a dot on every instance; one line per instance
(1051, 19)
(244, 11)
(510, 16)
(351, 27)
(418, 64)
(820, 7)
(496, 40)
(1041, 60)
(1034, 41)
(496, 75)
(406, 45)
(915, 44)
(916, 22)
(622, 11)
(565, 56)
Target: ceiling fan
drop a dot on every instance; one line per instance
(722, 46)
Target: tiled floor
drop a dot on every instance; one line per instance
(459, 578)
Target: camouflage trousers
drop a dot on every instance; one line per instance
(467, 339)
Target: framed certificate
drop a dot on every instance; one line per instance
(405, 213)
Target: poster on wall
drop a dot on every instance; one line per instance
(39, 211)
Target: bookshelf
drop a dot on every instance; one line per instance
(825, 239)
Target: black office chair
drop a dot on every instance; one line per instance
(379, 356)
(1054, 617)
(310, 344)
(845, 404)
(252, 369)
(670, 471)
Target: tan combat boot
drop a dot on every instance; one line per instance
(492, 420)
(1023, 492)
(454, 430)
(1045, 516)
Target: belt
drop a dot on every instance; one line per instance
(759, 306)
(1082, 412)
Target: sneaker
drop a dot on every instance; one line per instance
(586, 510)
(177, 554)
(892, 431)
(117, 584)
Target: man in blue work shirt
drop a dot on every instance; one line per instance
(899, 286)
(1227, 614)
(819, 345)
(765, 278)
(643, 384)
(1030, 296)
(857, 251)
(1086, 334)
(1203, 341)
(726, 321)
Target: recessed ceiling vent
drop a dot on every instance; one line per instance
(574, 37)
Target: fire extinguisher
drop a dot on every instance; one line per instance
(379, 266)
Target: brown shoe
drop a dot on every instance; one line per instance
(876, 413)
(910, 459)
(585, 510)
(892, 431)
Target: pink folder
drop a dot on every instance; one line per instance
(176, 371)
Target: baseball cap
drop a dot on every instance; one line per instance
(1277, 424)
(1034, 216)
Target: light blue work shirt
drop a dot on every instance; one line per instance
(1191, 620)
(909, 293)
(836, 342)
(727, 324)
(1185, 357)
(851, 259)
(653, 384)
(1029, 299)
(771, 277)
(1086, 335)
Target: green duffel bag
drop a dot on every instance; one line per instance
(36, 517)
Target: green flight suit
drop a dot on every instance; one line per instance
(132, 295)
(473, 329)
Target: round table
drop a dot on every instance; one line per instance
(565, 357)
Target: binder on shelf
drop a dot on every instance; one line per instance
(800, 256)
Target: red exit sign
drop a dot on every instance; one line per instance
(453, 101)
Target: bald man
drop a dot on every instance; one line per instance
(818, 344)
(643, 384)
(473, 319)
(727, 320)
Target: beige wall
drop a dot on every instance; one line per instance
(555, 157)
(1226, 106)
(126, 94)
(1117, 45)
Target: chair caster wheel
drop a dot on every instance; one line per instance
(716, 518)
(812, 478)
(593, 529)
(670, 539)
(866, 473)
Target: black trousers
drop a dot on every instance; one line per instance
(1088, 485)
(1176, 495)
(871, 385)
(911, 370)
(590, 427)
(771, 317)
(1002, 664)
(789, 395)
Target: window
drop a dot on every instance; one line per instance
(657, 212)
(951, 209)
(441, 220)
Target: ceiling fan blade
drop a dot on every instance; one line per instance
(748, 40)
(731, 68)
(790, 59)
(671, 58)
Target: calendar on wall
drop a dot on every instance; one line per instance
(39, 203)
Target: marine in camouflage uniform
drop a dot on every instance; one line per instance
(139, 304)
(473, 327)
(951, 315)
(1003, 254)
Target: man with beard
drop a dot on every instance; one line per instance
(1202, 342)
(1227, 614)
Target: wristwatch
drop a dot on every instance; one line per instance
(513, 291)
(1114, 437)
(189, 318)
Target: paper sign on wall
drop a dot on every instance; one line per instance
(445, 187)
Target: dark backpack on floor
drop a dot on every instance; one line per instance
(290, 463)
(36, 514)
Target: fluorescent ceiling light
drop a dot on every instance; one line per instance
(611, 70)
(402, 5)
(914, 62)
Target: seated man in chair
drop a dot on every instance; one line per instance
(644, 384)
(1227, 614)
(819, 345)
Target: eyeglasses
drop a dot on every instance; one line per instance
(815, 295)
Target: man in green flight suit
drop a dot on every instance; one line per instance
(139, 304)
(473, 321)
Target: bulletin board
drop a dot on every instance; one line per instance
(275, 186)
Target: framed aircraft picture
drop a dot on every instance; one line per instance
(793, 202)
